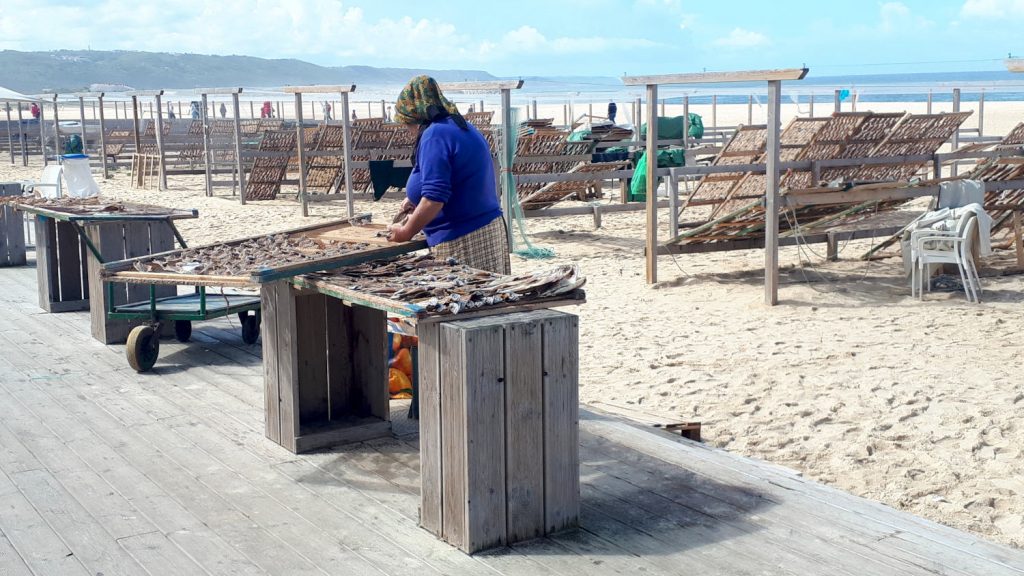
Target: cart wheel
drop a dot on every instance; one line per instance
(182, 330)
(250, 329)
(143, 348)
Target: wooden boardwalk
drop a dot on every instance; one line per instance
(106, 471)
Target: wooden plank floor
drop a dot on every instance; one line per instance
(106, 471)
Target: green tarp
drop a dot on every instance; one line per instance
(666, 159)
(671, 127)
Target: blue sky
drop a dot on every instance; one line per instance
(553, 37)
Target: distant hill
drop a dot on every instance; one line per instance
(75, 70)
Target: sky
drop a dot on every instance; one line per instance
(544, 37)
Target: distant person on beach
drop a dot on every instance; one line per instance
(194, 110)
(223, 110)
(267, 111)
(472, 108)
(353, 114)
(388, 117)
(34, 110)
(327, 110)
(612, 109)
(170, 111)
(450, 195)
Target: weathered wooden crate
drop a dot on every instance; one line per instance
(118, 241)
(325, 369)
(61, 257)
(12, 229)
(499, 412)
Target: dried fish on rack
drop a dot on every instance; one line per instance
(449, 287)
(248, 256)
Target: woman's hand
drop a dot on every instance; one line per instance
(399, 233)
(406, 206)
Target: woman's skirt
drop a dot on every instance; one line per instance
(484, 249)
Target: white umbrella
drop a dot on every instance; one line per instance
(7, 95)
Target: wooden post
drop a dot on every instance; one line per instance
(346, 134)
(369, 111)
(750, 109)
(252, 110)
(714, 112)
(117, 113)
(160, 141)
(663, 107)
(652, 184)
(673, 204)
(312, 110)
(590, 110)
(565, 114)
(278, 105)
(10, 138)
(207, 153)
(812, 105)
(179, 109)
(135, 124)
(928, 108)
(955, 141)
(506, 159)
(481, 105)
(103, 139)
(239, 165)
(81, 120)
(981, 113)
(534, 109)
(42, 135)
(853, 101)
(838, 102)
(383, 110)
(21, 138)
(301, 146)
(771, 198)
(686, 122)
(56, 128)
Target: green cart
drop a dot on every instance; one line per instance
(143, 346)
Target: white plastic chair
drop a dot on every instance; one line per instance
(945, 247)
(51, 183)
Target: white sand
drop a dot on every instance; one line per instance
(849, 380)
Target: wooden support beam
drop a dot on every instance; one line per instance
(239, 166)
(507, 188)
(207, 153)
(300, 143)
(771, 198)
(160, 142)
(346, 130)
(21, 138)
(10, 138)
(103, 139)
(652, 185)
(319, 89)
(717, 77)
(496, 86)
(42, 135)
(135, 124)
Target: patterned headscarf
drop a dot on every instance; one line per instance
(421, 102)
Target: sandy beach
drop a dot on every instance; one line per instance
(849, 380)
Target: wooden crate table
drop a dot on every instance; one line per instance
(75, 237)
(12, 227)
(498, 398)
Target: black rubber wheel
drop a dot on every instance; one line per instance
(182, 330)
(250, 329)
(143, 348)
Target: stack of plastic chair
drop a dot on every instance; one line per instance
(945, 247)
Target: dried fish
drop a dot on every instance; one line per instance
(450, 287)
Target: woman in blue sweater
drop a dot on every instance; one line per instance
(450, 195)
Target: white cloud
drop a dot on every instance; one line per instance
(687, 21)
(992, 8)
(742, 38)
(896, 16)
(321, 31)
